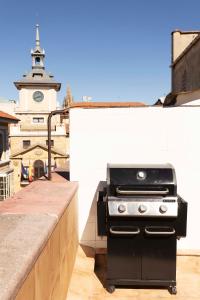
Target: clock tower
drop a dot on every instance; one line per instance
(37, 89)
(37, 98)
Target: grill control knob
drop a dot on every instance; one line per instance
(142, 208)
(121, 208)
(163, 209)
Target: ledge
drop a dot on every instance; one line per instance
(26, 222)
(4, 163)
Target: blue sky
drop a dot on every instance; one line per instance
(112, 50)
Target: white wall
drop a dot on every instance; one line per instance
(27, 103)
(135, 135)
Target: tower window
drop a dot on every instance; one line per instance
(38, 120)
(37, 60)
(26, 144)
(52, 143)
(37, 75)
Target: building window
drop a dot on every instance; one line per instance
(6, 185)
(1, 146)
(38, 120)
(52, 143)
(37, 76)
(26, 143)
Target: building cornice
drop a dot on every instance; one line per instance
(23, 84)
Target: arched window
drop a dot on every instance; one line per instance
(37, 60)
(38, 169)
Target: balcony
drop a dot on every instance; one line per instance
(39, 258)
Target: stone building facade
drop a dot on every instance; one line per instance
(6, 170)
(185, 61)
(185, 70)
(28, 139)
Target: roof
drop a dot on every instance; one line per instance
(185, 32)
(37, 77)
(196, 39)
(8, 118)
(106, 104)
(160, 101)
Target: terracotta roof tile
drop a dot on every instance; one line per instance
(7, 116)
(106, 104)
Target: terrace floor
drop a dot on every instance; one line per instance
(88, 278)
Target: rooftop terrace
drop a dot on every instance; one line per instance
(38, 240)
(38, 247)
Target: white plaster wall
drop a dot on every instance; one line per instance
(135, 135)
(27, 103)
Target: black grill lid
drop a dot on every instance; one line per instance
(140, 175)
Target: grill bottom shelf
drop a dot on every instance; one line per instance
(169, 284)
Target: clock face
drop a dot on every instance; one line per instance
(38, 96)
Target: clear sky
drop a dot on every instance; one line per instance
(111, 50)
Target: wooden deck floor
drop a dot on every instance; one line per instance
(87, 281)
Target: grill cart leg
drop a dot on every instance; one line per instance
(110, 288)
(172, 289)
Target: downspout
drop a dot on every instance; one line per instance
(53, 113)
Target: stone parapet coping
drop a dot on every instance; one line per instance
(26, 222)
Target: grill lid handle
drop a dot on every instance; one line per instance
(149, 232)
(141, 192)
(133, 232)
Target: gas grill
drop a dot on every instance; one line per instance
(142, 216)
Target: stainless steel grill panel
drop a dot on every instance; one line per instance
(167, 207)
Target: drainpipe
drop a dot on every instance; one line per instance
(53, 113)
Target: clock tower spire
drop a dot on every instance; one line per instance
(37, 77)
(37, 36)
(37, 53)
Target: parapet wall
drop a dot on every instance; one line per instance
(134, 135)
(38, 241)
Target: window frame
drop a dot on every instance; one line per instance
(26, 146)
(52, 143)
(4, 143)
(38, 122)
(6, 185)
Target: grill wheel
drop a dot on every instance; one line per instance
(172, 289)
(110, 289)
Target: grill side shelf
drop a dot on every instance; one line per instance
(101, 213)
